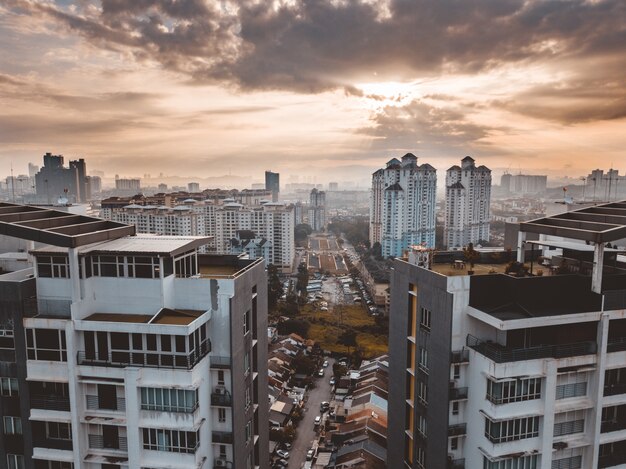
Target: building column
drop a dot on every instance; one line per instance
(596, 392)
(72, 256)
(549, 401)
(521, 239)
(598, 265)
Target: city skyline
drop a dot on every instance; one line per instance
(530, 86)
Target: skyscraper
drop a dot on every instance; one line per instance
(272, 183)
(317, 209)
(54, 181)
(468, 195)
(402, 205)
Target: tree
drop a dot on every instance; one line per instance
(304, 365)
(274, 287)
(347, 338)
(291, 307)
(297, 326)
(302, 279)
(339, 370)
(301, 232)
(470, 254)
(377, 250)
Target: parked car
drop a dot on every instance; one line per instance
(318, 420)
(287, 446)
(325, 364)
(283, 454)
(321, 372)
(309, 454)
(332, 381)
(324, 406)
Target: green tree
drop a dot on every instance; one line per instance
(297, 326)
(274, 287)
(301, 232)
(301, 364)
(470, 254)
(302, 279)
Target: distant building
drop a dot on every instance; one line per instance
(317, 210)
(402, 205)
(132, 185)
(523, 184)
(55, 181)
(604, 186)
(333, 186)
(162, 187)
(32, 169)
(272, 183)
(193, 187)
(96, 184)
(468, 195)
(298, 213)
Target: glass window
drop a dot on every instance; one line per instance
(9, 387)
(169, 400)
(12, 425)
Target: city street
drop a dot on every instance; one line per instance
(306, 431)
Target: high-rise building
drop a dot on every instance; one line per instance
(333, 186)
(55, 181)
(601, 186)
(127, 186)
(32, 170)
(317, 210)
(402, 205)
(127, 351)
(468, 195)
(272, 183)
(193, 187)
(523, 184)
(500, 371)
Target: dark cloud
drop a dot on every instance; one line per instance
(418, 126)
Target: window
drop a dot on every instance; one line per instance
(173, 441)
(53, 267)
(143, 267)
(58, 431)
(6, 336)
(568, 423)
(221, 414)
(46, 344)
(423, 363)
(421, 457)
(516, 390)
(58, 465)
(248, 431)
(455, 407)
(422, 392)
(107, 266)
(573, 462)
(220, 378)
(9, 387)
(246, 322)
(454, 443)
(421, 425)
(425, 319)
(523, 462)
(511, 430)
(15, 461)
(223, 451)
(246, 362)
(12, 426)
(169, 400)
(456, 374)
(248, 400)
(565, 391)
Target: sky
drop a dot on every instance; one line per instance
(318, 90)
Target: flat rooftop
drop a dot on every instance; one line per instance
(56, 227)
(452, 270)
(599, 223)
(139, 244)
(165, 316)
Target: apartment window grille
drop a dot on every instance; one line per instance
(53, 267)
(523, 462)
(574, 462)
(516, 390)
(566, 391)
(456, 372)
(172, 441)
(9, 387)
(220, 378)
(221, 414)
(58, 431)
(425, 319)
(169, 400)
(511, 430)
(15, 461)
(46, 344)
(454, 443)
(455, 408)
(569, 423)
(12, 425)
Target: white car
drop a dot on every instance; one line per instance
(309, 454)
(325, 364)
(318, 420)
(283, 454)
(321, 372)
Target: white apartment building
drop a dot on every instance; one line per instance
(272, 221)
(468, 195)
(498, 372)
(317, 210)
(139, 352)
(402, 205)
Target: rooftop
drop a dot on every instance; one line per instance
(57, 227)
(166, 316)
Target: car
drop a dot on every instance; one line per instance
(287, 446)
(309, 454)
(325, 364)
(317, 420)
(321, 372)
(283, 454)
(283, 462)
(332, 381)
(324, 406)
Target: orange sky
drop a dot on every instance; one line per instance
(194, 87)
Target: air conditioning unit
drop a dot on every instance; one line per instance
(220, 463)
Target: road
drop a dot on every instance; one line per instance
(306, 432)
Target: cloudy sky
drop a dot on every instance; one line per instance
(328, 89)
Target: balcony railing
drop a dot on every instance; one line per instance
(50, 402)
(612, 426)
(117, 405)
(456, 464)
(143, 359)
(614, 389)
(221, 399)
(52, 443)
(610, 460)
(618, 345)
(459, 356)
(457, 394)
(457, 430)
(501, 354)
(220, 362)
(223, 437)
(115, 444)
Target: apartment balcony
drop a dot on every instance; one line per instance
(617, 345)
(108, 405)
(220, 362)
(222, 399)
(114, 444)
(51, 443)
(457, 394)
(455, 464)
(143, 359)
(614, 389)
(459, 356)
(50, 402)
(459, 429)
(501, 354)
(610, 460)
(223, 438)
